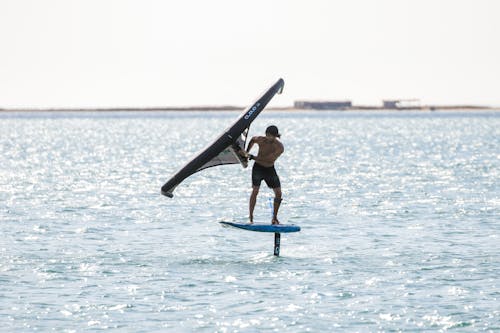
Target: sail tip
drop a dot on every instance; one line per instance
(281, 83)
(167, 194)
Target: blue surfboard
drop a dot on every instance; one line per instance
(263, 227)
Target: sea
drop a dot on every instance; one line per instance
(399, 211)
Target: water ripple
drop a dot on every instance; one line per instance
(399, 216)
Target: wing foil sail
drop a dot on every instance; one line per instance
(228, 147)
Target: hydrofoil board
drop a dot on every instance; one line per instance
(263, 227)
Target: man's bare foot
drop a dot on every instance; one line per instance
(275, 221)
(250, 220)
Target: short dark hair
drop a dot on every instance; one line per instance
(273, 130)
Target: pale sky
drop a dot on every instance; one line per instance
(104, 53)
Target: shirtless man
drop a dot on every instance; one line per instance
(270, 148)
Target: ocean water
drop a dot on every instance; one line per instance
(400, 218)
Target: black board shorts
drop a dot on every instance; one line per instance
(268, 174)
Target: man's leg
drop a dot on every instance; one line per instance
(277, 203)
(253, 200)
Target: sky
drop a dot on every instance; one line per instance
(147, 53)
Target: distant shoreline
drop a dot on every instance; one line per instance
(237, 108)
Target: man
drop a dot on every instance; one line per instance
(270, 148)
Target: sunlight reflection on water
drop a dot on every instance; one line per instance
(399, 217)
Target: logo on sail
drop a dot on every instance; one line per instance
(252, 110)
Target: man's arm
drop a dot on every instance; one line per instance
(253, 140)
(280, 149)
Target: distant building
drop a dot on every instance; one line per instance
(390, 104)
(323, 105)
(401, 104)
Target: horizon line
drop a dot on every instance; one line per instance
(241, 108)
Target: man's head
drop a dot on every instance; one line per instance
(273, 131)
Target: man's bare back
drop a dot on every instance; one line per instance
(270, 148)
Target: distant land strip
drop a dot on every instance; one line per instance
(275, 108)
